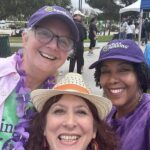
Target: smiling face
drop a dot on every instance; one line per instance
(69, 124)
(119, 82)
(45, 58)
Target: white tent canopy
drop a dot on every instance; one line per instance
(133, 7)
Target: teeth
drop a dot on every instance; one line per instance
(116, 91)
(47, 56)
(68, 138)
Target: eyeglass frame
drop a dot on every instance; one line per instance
(54, 36)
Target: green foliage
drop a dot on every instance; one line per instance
(109, 7)
(102, 38)
(22, 9)
(15, 39)
(128, 2)
(104, 5)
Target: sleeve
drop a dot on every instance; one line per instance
(147, 54)
(147, 132)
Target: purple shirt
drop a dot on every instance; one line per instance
(134, 128)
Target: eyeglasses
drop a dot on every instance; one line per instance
(45, 36)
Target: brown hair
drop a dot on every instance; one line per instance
(105, 137)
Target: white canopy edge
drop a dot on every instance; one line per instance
(133, 7)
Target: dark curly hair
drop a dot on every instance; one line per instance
(105, 137)
(141, 69)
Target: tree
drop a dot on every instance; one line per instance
(109, 7)
(22, 9)
(128, 2)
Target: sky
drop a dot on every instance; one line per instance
(75, 3)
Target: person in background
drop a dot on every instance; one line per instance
(130, 30)
(123, 28)
(70, 117)
(46, 44)
(78, 53)
(92, 34)
(148, 29)
(122, 72)
(144, 35)
(137, 30)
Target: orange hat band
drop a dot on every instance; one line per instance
(72, 87)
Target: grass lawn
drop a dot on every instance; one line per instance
(15, 40)
(99, 39)
(19, 40)
(102, 38)
(14, 49)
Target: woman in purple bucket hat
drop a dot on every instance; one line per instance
(122, 72)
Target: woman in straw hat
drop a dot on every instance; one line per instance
(70, 118)
(122, 72)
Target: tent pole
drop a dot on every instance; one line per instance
(119, 24)
(140, 26)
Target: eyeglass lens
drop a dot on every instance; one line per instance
(45, 36)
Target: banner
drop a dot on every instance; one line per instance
(145, 4)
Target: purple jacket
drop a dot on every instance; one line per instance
(134, 128)
(8, 80)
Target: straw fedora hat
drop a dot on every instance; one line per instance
(72, 84)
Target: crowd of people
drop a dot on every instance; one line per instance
(145, 33)
(37, 112)
(130, 28)
(127, 29)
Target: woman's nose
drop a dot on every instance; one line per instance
(70, 121)
(113, 78)
(53, 43)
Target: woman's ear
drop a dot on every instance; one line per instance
(24, 38)
(94, 133)
(44, 133)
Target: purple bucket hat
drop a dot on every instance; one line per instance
(55, 11)
(120, 49)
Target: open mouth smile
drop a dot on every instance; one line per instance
(116, 91)
(47, 56)
(69, 138)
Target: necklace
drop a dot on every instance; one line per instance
(24, 110)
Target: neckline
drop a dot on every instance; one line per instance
(23, 111)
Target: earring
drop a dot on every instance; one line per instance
(45, 142)
(94, 145)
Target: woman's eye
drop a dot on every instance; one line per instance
(125, 70)
(82, 112)
(104, 71)
(58, 111)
